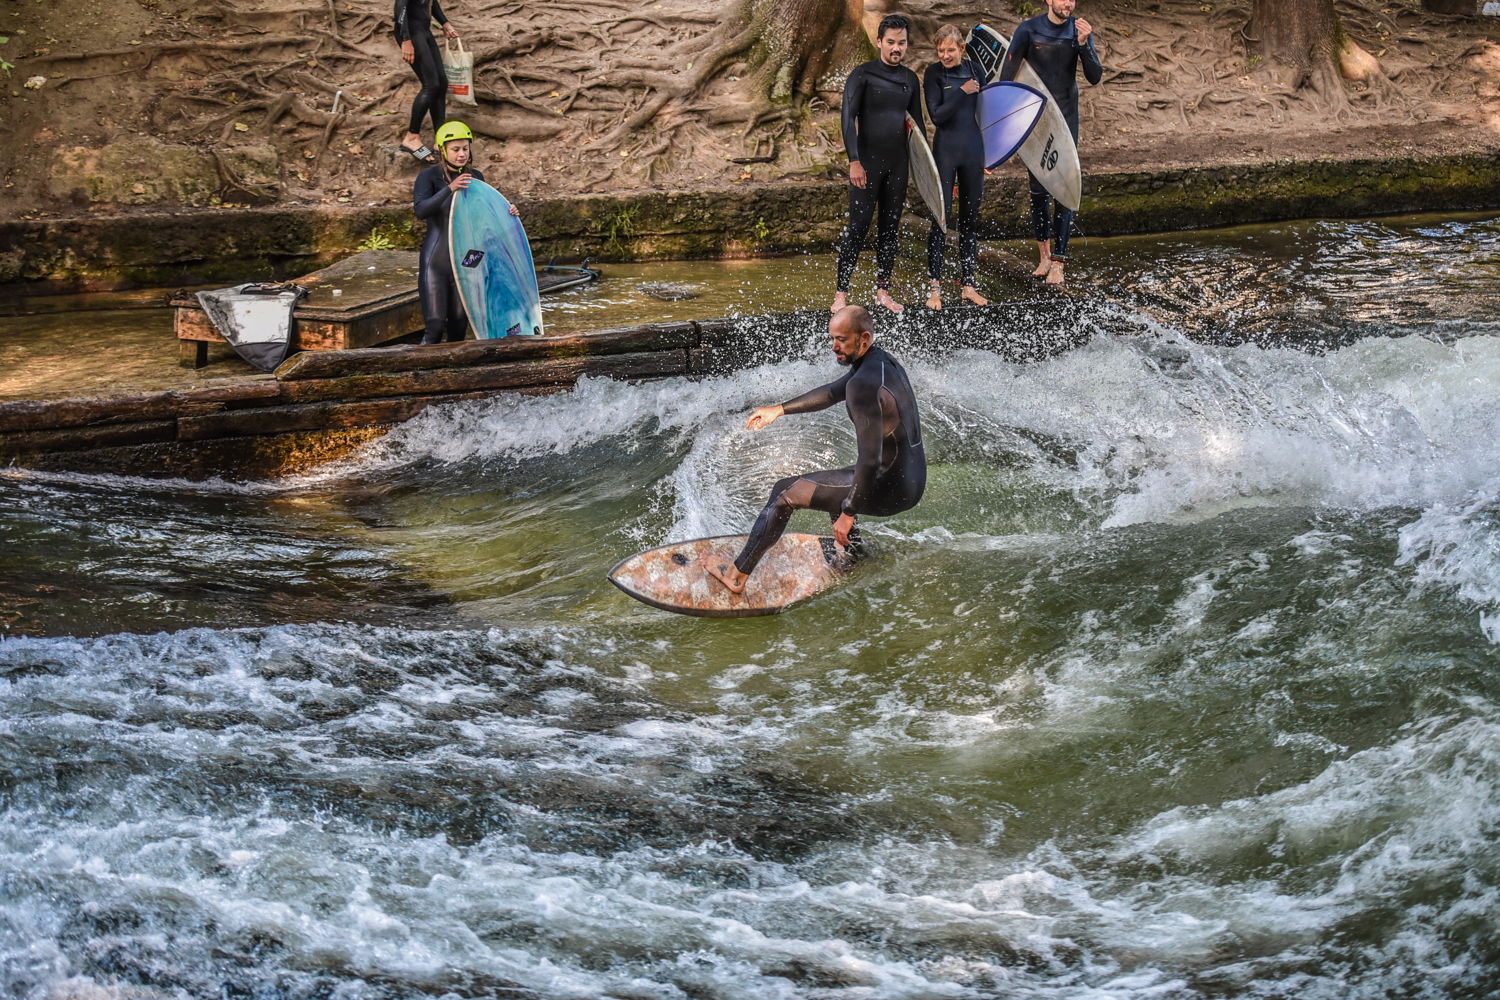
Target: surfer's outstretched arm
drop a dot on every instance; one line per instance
(817, 399)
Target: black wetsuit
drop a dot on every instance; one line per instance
(891, 471)
(959, 150)
(414, 24)
(443, 312)
(877, 99)
(1054, 53)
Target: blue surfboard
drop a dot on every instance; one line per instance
(492, 264)
(1007, 113)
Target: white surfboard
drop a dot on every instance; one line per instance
(923, 171)
(1049, 152)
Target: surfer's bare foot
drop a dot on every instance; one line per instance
(970, 294)
(935, 297)
(840, 300)
(724, 571)
(1055, 273)
(1043, 269)
(884, 298)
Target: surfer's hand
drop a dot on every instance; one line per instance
(841, 529)
(450, 31)
(857, 174)
(1084, 31)
(762, 416)
(515, 211)
(408, 51)
(460, 182)
(971, 86)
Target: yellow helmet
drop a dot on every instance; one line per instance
(449, 131)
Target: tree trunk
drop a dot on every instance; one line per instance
(807, 39)
(1298, 37)
(1451, 6)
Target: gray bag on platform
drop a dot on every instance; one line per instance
(256, 319)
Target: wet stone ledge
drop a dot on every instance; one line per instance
(101, 251)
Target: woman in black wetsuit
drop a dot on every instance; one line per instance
(443, 311)
(951, 89)
(414, 34)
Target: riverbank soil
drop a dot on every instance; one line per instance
(159, 103)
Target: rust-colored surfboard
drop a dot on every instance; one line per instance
(672, 577)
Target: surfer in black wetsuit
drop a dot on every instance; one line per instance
(414, 34)
(951, 89)
(443, 313)
(878, 96)
(890, 472)
(1054, 43)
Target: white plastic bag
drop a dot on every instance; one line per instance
(460, 69)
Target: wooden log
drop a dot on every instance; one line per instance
(24, 443)
(304, 417)
(47, 414)
(326, 402)
(377, 360)
(516, 375)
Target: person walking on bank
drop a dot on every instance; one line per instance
(878, 96)
(414, 34)
(1054, 43)
(951, 89)
(443, 313)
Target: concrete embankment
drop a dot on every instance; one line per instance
(100, 250)
(318, 406)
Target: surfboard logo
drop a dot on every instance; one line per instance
(1049, 155)
(513, 330)
(472, 258)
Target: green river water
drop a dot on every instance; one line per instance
(1181, 682)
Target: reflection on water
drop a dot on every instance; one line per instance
(1182, 682)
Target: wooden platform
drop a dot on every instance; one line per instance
(376, 303)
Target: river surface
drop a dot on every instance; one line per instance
(1182, 682)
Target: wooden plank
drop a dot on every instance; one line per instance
(21, 443)
(655, 337)
(304, 417)
(80, 411)
(516, 375)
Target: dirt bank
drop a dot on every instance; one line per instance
(145, 105)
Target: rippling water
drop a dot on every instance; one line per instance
(1181, 683)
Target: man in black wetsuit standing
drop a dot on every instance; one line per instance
(1054, 43)
(890, 473)
(878, 96)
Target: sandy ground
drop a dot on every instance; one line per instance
(559, 82)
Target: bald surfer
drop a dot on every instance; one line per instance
(1055, 44)
(887, 478)
(878, 96)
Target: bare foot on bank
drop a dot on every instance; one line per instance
(840, 300)
(1055, 273)
(723, 570)
(970, 294)
(884, 298)
(935, 297)
(1044, 268)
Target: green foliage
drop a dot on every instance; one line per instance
(761, 229)
(392, 236)
(1025, 8)
(5, 64)
(619, 226)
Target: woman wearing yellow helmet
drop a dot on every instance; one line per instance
(443, 312)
